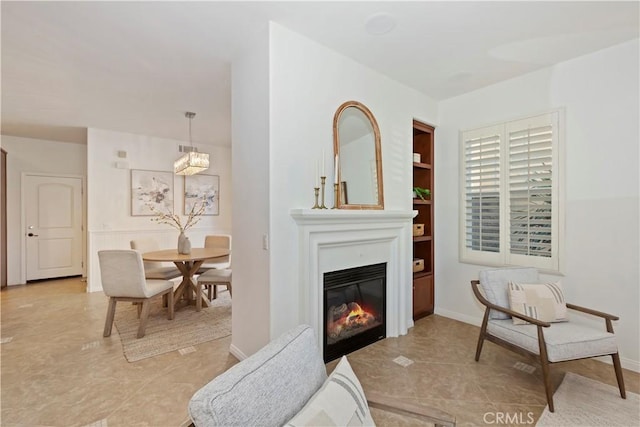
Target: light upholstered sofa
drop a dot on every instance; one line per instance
(285, 383)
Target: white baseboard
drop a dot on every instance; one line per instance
(475, 321)
(237, 353)
(630, 364)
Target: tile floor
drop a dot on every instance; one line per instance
(58, 370)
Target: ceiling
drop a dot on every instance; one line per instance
(139, 66)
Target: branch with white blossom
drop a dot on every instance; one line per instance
(174, 220)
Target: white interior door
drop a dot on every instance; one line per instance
(53, 221)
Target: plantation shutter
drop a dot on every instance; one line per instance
(482, 189)
(531, 188)
(510, 197)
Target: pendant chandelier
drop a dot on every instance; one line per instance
(192, 162)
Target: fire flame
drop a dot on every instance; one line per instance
(357, 314)
(356, 318)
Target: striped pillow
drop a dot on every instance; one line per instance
(541, 301)
(339, 402)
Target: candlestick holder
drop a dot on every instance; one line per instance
(322, 183)
(316, 191)
(335, 196)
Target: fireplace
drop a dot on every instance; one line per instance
(354, 309)
(335, 239)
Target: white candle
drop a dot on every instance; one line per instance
(323, 169)
(335, 170)
(317, 186)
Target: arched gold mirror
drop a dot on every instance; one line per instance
(356, 144)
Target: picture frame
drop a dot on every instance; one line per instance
(151, 188)
(205, 188)
(344, 197)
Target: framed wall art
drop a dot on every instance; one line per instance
(151, 189)
(202, 188)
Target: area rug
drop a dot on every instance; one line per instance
(162, 335)
(584, 402)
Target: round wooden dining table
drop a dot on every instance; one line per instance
(188, 264)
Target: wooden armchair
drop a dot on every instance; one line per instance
(547, 342)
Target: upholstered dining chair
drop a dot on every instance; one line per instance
(549, 341)
(221, 241)
(123, 279)
(154, 270)
(211, 279)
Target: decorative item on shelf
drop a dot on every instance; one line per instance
(323, 180)
(418, 230)
(357, 157)
(422, 193)
(418, 265)
(336, 166)
(316, 191)
(343, 192)
(173, 220)
(192, 162)
(416, 157)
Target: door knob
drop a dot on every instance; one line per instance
(32, 235)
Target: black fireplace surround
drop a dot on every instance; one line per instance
(354, 309)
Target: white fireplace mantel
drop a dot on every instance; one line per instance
(337, 216)
(337, 239)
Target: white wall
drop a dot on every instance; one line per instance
(284, 96)
(26, 155)
(600, 95)
(251, 165)
(109, 222)
(308, 84)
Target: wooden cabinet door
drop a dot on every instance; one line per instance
(422, 296)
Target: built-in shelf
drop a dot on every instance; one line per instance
(423, 246)
(421, 165)
(420, 274)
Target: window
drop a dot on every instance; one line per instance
(510, 193)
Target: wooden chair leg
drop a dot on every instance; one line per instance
(111, 312)
(139, 307)
(144, 316)
(170, 302)
(544, 362)
(209, 291)
(483, 332)
(229, 289)
(199, 296)
(215, 290)
(618, 368)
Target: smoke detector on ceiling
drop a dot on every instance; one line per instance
(380, 23)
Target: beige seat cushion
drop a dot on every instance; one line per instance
(565, 341)
(215, 276)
